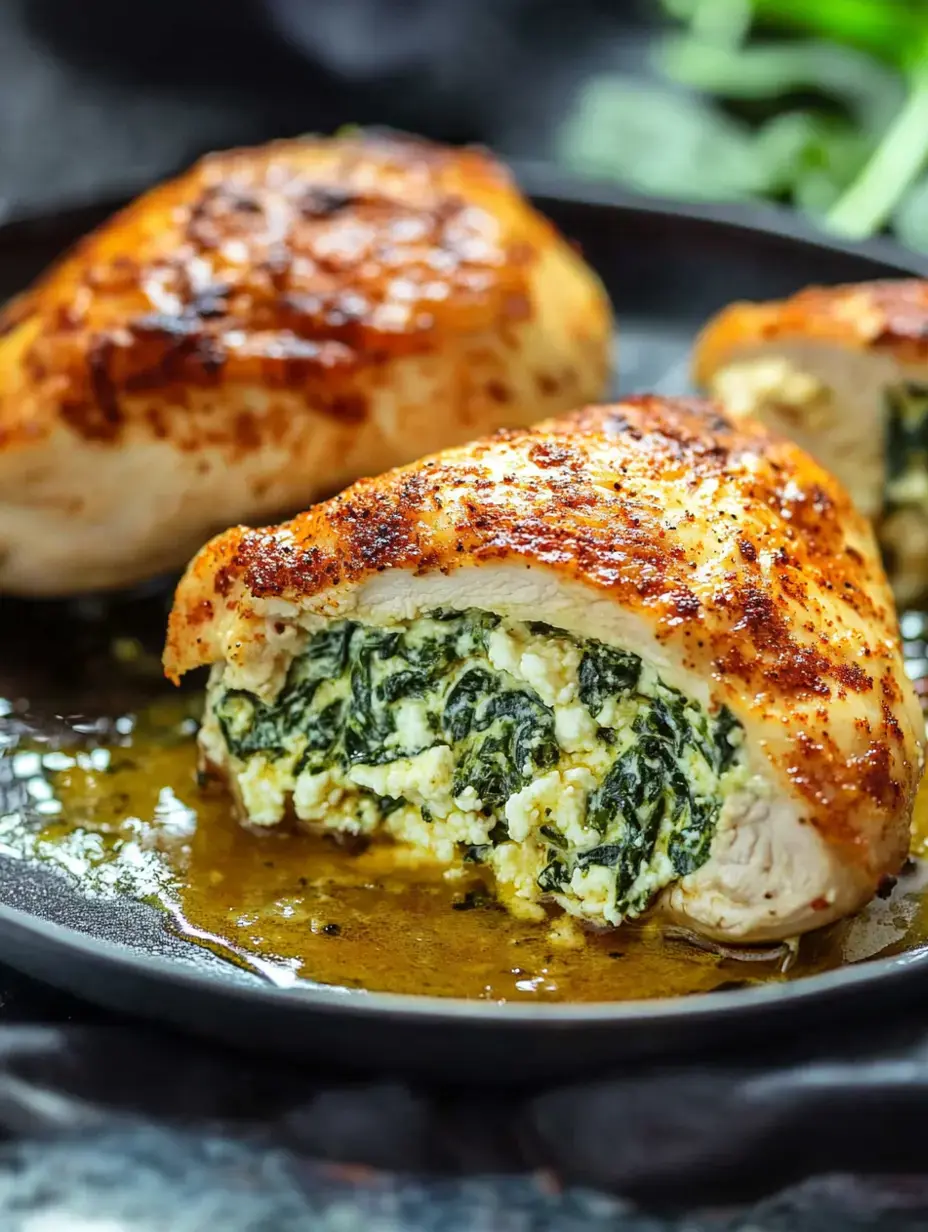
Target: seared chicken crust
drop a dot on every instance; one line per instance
(844, 372)
(887, 316)
(267, 327)
(723, 556)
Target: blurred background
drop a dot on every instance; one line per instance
(818, 103)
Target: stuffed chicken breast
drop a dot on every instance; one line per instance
(264, 329)
(844, 372)
(636, 655)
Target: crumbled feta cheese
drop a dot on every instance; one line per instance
(263, 789)
(574, 727)
(314, 795)
(550, 666)
(594, 889)
(423, 779)
(556, 798)
(516, 866)
(503, 651)
(413, 730)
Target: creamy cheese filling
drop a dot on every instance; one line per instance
(564, 765)
(773, 386)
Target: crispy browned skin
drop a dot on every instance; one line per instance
(887, 316)
(261, 241)
(744, 559)
(265, 328)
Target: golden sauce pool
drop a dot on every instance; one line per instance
(133, 819)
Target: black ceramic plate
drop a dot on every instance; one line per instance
(667, 269)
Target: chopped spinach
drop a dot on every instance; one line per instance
(633, 781)
(634, 831)
(251, 726)
(505, 736)
(666, 723)
(321, 729)
(905, 484)
(906, 426)
(553, 877)
(723, 727)
(605, 673)
(370, 719)
(472, 631)
(248, 725)
(906, 442)
(411, 683)
(553, 835)
(499, 833)
(326, 655)
(541, 629)
(688, 848)
(461, 706)
(531, 726)
(608, 856)
(646, 801)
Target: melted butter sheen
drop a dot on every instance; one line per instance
(134, 820)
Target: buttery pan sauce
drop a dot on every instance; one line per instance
(131, 818)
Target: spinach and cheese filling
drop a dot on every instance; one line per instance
(906, 447)
(903, 522)
(565, 765)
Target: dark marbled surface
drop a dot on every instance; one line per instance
(140, 1179)
(139, 1129)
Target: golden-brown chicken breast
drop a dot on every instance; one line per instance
(267, 327)
(634, 654)
(843, 371)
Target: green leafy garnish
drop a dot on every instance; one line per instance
(821, 103)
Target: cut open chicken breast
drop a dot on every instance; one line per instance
(843, 371)
(636, 655)
(261, 331)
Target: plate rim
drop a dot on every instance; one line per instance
(436, 1010)
(543, 182)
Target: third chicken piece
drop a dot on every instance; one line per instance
(843, 371)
